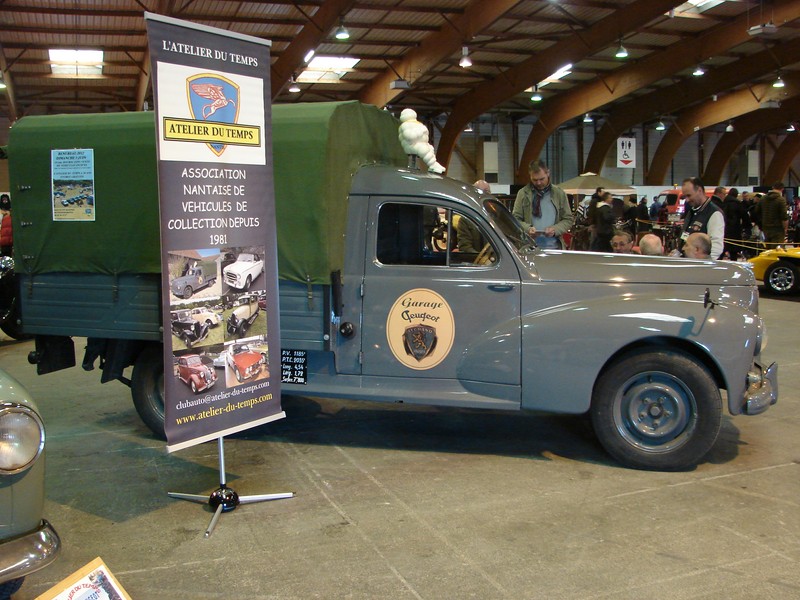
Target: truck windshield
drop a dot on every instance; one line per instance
(509, 225)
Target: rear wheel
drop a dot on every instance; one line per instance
(147, 388)
(781, 278)
(658, 410)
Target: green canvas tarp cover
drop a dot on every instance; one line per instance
(317, 148)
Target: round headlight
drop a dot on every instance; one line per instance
(21, 438)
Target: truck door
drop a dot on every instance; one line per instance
(435, 306)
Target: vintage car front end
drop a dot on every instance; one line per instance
(27, 541)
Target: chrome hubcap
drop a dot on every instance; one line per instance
(781, 279)
(655, 412)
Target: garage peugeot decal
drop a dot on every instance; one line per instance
(420, 329)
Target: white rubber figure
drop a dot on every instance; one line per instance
(414, 139)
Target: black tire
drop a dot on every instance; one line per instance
(241, 330)
(147, 388)
(238, 374)
(187, 292)
(659, 410)
(781, 278)
(187, 342)
(247, 283)
(193, 386)
(10, 587)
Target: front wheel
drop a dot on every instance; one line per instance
(781, 278)
(187, 292)
(247, 283)
(147, 389)
(657, 410)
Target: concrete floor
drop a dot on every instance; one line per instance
(405, 502)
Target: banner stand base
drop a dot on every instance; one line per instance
(225, 499)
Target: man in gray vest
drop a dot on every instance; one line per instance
(542, 208)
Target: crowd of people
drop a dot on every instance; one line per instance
(717, 226)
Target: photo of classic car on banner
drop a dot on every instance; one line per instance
(244, 317)
(193, 325)
(246, 361)
(244, 271)
(196, 371)
(194, 273)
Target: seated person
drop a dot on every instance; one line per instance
(622, 243)
(651, 245)
(470, 240)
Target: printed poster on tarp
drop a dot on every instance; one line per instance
(626, 153)
(72, 184)
(218, 242)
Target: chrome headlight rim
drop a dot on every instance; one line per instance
(761, 337)
(14, 407)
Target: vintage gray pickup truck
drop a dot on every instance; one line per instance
(642, 344)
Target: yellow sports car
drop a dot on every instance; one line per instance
(779, 269)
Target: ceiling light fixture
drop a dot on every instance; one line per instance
(729, 128)
(660, 126)
(293, 87)
(621, 52)
(779, 83)
(465, 61)
(309, 55)
(341, 32)
(468, 128)
(791, 127)
(699, 71)
(587, 118)
(536, 97)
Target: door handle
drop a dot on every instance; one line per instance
(501, 287)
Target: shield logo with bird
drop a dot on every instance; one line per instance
(213, 98)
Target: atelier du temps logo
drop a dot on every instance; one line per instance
(420, 329)
(214, 104)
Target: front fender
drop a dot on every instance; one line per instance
(565, 347)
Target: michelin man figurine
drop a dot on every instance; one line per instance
(414, 139)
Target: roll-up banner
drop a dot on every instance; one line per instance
(218, 245)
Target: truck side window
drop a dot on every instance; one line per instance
(471, 247)
(417, 234)
(400, 235)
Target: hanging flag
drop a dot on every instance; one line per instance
(626, 153)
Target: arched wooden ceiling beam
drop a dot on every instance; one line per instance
(309, 37)
(709, 113)
(9, 93)
(541, 65)
(744, 127)
(782, 160)
(671, 98)
(623, 81)
(435, 48)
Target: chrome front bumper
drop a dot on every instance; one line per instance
(23, 555)
(762, 389)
